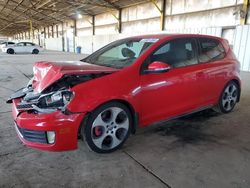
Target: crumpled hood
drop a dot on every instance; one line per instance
(46, 73)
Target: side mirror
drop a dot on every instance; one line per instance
(158, 67)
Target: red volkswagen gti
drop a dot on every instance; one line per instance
(130, 83)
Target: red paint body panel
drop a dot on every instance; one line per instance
(155, 97)
(65, 127)
(46, 73)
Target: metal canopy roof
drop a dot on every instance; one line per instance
(16, 14)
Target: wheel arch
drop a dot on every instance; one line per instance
(134, 114)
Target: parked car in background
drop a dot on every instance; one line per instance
(22, 47)
(4, 44)
(130, 83)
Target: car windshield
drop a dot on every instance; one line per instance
(121, 53)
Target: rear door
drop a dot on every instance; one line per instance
(29, 47)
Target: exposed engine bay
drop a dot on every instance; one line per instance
(55, 97)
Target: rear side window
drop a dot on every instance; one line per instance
(20, 44)
(29, 44)
(210, 50)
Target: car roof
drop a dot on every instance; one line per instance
(27, 42)
(175, 35)
(7, 42)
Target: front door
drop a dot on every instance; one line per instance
(19, 48)
(166, 95)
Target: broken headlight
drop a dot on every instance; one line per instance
(59, 99)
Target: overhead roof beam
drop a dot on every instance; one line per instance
(43, 4)
(4, 6)
(19, 3)
(31, 8)
(72, 8)
(112, 4)
(22, 13)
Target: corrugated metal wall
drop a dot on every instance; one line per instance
(241, 46)
(215, 31)
(240, 42)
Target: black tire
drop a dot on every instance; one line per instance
(35, 51)
(109, 131)
(229, 97)
(10, 51)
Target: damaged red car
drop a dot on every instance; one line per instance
(130, 83)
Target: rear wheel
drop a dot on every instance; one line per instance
(35, 51)
(229, 97)
(10, 51)
(108, 127)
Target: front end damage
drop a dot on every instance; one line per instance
(54, 97)
(41, 117)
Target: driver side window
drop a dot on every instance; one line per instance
(177, 53)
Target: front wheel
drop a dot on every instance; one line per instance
(10, 51)
(108, 127)
(229, 97)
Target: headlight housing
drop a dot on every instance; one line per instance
(45, 103)
(59, 99)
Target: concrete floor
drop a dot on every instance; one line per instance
(205, 150)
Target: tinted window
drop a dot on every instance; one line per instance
(177, 53)
(210, 49)
(29, 44)
(20, 44)
(11, 43)
(164, 49)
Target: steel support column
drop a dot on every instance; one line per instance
(93, 25)
(57, 34)
(44, 32)
(75, 28)
(31, 29)
(243, 12)
(52, 31)
(120, 20)
(162, 11)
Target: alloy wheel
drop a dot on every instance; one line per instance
(110, 127)
(229, 97)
